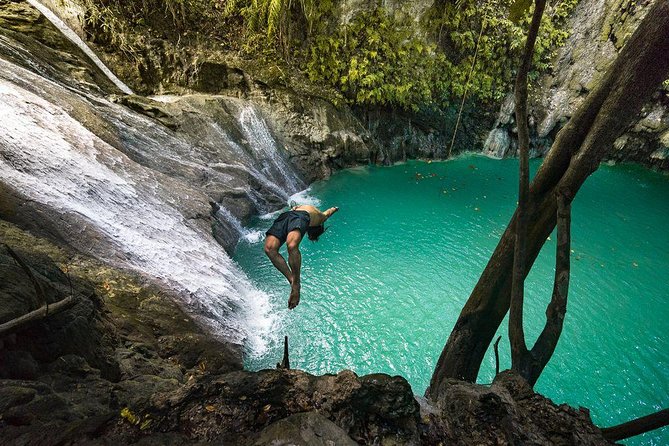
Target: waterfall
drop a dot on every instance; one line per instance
(134, 191)
(119, 206)
(74, 38)
(265, 149)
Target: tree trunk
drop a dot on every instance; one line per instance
(580, 146)
(531, 363)
(516, 332)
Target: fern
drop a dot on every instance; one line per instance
(230, 7)
(273, 16)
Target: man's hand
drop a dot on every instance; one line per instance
(331, 211)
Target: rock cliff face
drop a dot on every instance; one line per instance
(600, 28)
(319, 130)
(322, 136)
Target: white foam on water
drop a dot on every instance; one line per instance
(271, 215)
(359, 170)
(74, 38)
(303, 197)
(50, 158)
(253, 236)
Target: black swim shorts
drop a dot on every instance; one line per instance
(289, 221)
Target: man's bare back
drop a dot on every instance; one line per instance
(316, 217)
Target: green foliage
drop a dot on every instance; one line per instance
(456, 26)
(376, 60)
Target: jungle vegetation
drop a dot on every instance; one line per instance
(372, 56)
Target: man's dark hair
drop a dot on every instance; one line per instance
(313, 232)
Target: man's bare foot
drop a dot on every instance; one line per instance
(294, 298)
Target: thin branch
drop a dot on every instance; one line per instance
(41, 298)
(499, 338)
(637, 426)
(516, 332)
(557, 308)
(464, 95)
(36, 315)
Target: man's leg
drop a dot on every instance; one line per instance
(272, 245)
(295, 262)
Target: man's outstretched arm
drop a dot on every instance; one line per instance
(328, 213)
(322, 216)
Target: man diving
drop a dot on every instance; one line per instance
(289, 228)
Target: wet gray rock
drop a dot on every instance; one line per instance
(320, 137)
(64, 378)
(78, 331)
(235, 406)
(304, 429)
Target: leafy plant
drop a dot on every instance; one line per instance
(375, 58)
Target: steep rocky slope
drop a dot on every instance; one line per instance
(127, 364)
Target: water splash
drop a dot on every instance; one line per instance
(74, 38)
(304, 197)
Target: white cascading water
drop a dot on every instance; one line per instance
(497, 143)
(130, 204)
(74, 38)
(50, 158)
(260, 139)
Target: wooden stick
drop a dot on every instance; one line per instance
(497, 355)
(285, 364)
(637, 426)
(36, 315)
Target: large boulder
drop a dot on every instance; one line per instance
(304, 429)
(372, 409)
(507, 412)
